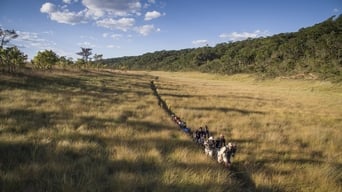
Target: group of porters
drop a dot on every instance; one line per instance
(216, 148)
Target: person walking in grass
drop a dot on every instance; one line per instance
(220, 142)
(206, 132)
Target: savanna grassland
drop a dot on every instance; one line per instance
(104, 131)
(289, 132)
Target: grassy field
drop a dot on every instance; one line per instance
(104, 131)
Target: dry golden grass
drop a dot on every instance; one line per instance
(288, 132)
(104, 131)
(96, 131)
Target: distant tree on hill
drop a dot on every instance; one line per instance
(312, 50)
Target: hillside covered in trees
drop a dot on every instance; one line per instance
(316, 49)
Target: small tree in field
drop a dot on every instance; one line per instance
(6, 36)
(98, 60)
(11, 59)
(85, 53)
(98, 57)
(65, 62)
(45, 59)
(79, 63)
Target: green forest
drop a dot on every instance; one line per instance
(314, 51)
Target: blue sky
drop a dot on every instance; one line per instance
(118, 28)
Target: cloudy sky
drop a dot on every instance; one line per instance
(118, 28)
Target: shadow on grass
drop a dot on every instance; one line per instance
(227, 110)
(21, 121)
(244, 179)
(104, 87)
(242, 175)
(81, 161)
(58, 166)
(31, 166)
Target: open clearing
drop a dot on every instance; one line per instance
(104, 131)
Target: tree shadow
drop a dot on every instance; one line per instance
(78, 161)
(76, 86)
(178, 95)
(227, 110)
(242, 176)
(34, 166)
(145, 126)
(21, 121)
(146, 168)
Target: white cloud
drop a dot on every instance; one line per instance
(113, 36)
(152, 15)
(63, 15)
(116, 36)
(145, 29)
(88, 37)
(48, 8)
(68, 17)
(93, 10)
(112, 7)
(31, 39)
(122, 24)
(149, 3)
(200, 42)
(113, 46)
(235, 36)
(69, 1)
(336, 10)
(112, 14)
(86, 44)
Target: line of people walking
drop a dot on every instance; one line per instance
(215, 148)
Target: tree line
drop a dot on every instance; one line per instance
(12, 60)
(312, 50)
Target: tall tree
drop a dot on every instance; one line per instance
(85, 53)
(6, 35)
